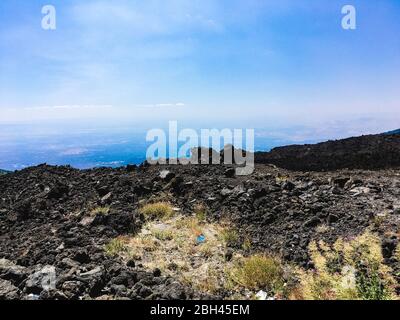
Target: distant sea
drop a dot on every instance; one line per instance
(82, 147)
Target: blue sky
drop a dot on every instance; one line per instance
(228, 61)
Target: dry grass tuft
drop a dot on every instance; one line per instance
(397, 253)
(163, 235)
(100, 210)
(246, 245)
(229, 236)
(259, 272)
(116, 246)
(159, 210)
(200, 212)
(323, 228)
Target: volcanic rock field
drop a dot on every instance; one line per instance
(62, 220)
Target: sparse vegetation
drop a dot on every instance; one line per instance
(230, 236)
(172, 246)
(259, 272)
(141, 245)
(281, 178)
(207, 250)
(115, 246)
(163, 235)
(346, 270)
(212, 282)
(379, 219)
(100, 210)
(323, 228)
(200, 212)
(246, 246)
(397, 253)
(158, 210)
(351, 270)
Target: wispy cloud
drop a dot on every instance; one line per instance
(162, 105)
(69, 107)
(74, 152)
(85, 112)
(148, 18)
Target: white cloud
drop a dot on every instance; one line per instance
(161, 105)
(74, 152)
(180, 104)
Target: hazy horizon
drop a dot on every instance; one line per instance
(83, 146)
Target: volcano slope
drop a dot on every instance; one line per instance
(368, 152)
(64, 219)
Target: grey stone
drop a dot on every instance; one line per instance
(8, 291)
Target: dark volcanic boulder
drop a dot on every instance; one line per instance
(24, 209)
(120, 222)
(58, 191)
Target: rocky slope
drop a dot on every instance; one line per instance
(367, 152)
(45, 220)
(48, 225)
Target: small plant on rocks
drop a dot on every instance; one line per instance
(229, 236)
(115, 246)
(163, 235)
(397, 253)
(246, 246)
(200, 212)
(157, 210)
(100, 210)
(259, 272)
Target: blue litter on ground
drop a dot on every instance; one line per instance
(201, 238)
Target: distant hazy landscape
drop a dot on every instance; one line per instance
(86, 145)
